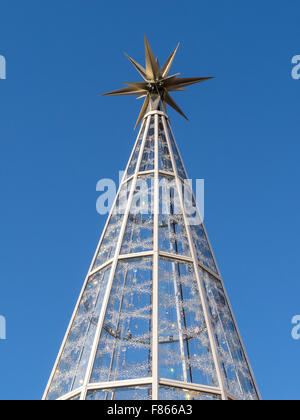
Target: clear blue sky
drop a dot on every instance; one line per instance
(58, 138)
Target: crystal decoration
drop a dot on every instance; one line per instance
(173, 393)
(126, 335)
(135, 393)
(147, 163)
(153, 320)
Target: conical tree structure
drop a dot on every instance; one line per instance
(153, 320)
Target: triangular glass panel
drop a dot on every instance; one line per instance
(179, 164)
(73, 361)
(194, 220)
(184, 347)
(164, 157)
(109, 242)
(171, 228)
(172, 393)
(147, 163)
(124, 350)
(134, 159)
(139, 230)
(203, 251)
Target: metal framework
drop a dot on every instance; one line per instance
(153, 320)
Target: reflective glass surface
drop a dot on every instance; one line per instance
(236, 371)
(110, 239)
(72, 365)
(203, 251)
(172, 393)
(172, 231)
(134, 159)
(179, 164)
(139, 230)
(164, 158)
(184, 347)
(124, 350)
(76, 398)
(134, 393)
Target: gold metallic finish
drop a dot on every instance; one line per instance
(173, 104)
(166, 67)
(157, 84)
(143, 110)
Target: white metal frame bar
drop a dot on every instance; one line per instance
(155, 303)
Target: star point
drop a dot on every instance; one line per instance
(156, 81)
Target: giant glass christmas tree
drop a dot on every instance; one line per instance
(153, 320)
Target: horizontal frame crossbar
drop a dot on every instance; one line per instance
(145, 381)
(162, 254)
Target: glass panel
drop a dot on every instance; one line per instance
(164, 157)
(142, 392)
(179, 164)
(147, 163)
(184, 347)
(204, 254)
(72, 365)
(76, 398)
(172, 232)
(237, 375)
(169, 393)
(110, 239)
(134, 159)
(194, 220)
(124, 350)
(139, 230)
